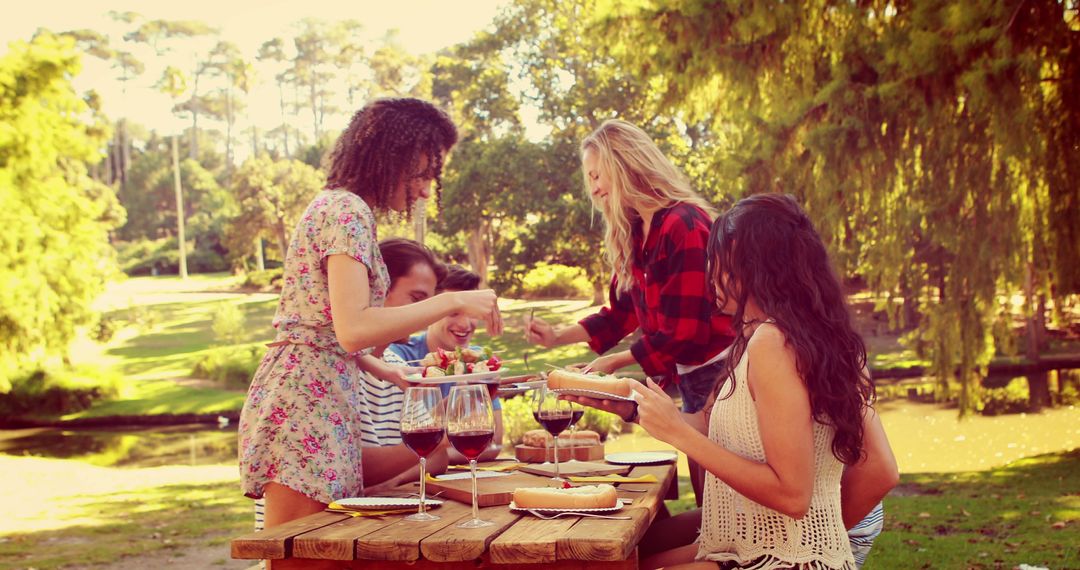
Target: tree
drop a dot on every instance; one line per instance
(271, 195)
(905, 130)
(54, 252)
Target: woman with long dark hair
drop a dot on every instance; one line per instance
(788, 412)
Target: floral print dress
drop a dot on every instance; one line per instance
(300, 426)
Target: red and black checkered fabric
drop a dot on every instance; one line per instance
(670, 300)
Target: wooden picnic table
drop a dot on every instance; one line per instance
(340, 541)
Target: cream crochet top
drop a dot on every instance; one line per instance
(737, 529)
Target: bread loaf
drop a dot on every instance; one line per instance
(609, 384)
(541, 438)
(584, 497)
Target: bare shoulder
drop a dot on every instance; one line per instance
(770, 357)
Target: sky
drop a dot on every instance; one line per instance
(423, 26)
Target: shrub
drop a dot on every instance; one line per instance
(267, 279)
(57, 391)
(1009, 399)
(228, 324)
(232, 367)
(552, 281)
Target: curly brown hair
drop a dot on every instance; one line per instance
(383, 146)
(768, 248)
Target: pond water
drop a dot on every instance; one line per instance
(126, 447)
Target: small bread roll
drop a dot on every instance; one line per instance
(584, 497)
(608, 384)
(536, 438)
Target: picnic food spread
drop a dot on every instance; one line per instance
(459, 361)
(541, 438)
(568, 379)
(584, 497)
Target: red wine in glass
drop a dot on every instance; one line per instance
(555, 422)
(471, 444)
(423, 441)
(577, 413)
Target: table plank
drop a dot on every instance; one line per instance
(338, 541)
(601, 539)
(479, 564)
(530, 540)
(401, 540)
(276, 542)
(452, 544)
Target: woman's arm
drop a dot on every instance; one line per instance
(865, 483)
(359, 325)
(538, 331)
(785, 481)
(383, 478)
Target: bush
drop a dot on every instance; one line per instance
(267, 279)
(57, 392)
(162, 257)
(548, 281)
(1010, 399)
(228, 324)
(231, 367)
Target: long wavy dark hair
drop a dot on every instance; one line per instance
(767, 247)
(383, 146)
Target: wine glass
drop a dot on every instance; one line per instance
(470, 424)
(555, 415)
(423, 424)
(576, 412)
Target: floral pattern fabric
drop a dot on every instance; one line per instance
(300, 426)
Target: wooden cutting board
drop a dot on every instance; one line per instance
(490, 491)
(530, 454)
(576, 468)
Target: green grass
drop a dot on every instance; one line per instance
(1025, 513)
(141, 522)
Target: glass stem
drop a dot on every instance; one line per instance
(475, 507)
(423, 483)
(556, 438)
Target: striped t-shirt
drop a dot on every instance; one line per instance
(381, 425)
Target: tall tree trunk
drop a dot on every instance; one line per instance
(179, 210)
(420, 221)
(260, 260)
(283, 235)
(314, 101)
(228, 136)
(1035, 307)
(476, 243)
(284, 118)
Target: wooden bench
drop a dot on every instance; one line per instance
(339, 541)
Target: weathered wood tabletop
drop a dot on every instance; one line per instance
(339, 541)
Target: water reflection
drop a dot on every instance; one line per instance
(126, 447)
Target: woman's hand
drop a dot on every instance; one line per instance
(538, 331)
(658, 414)
(393, 373)
(611, 362)
(620, 408)
(481, 304)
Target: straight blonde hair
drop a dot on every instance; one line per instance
(639, 177)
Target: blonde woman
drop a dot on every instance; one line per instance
(657, 231)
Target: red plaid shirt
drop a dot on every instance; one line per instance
(670, 301)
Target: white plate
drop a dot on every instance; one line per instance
(485, 377)
(532, 384)
(618, 507)
(380, 503)
(591, 394)
(512, 390)
(641, 457)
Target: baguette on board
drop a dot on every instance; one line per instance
(584, 497)
(608, 384)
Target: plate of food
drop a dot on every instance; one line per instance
(460, 363)
(475, 377)
(582, 499)
(598, 386)
(382, 503)
(641, 457)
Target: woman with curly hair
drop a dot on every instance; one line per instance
(300, 427)
(788, 415)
